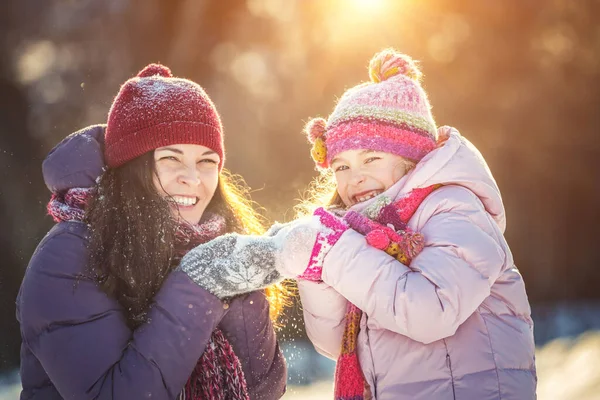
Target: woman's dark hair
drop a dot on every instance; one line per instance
(132, 234)
(131, 237)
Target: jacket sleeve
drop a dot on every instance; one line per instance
(324, 312)
(80, 335)
(445, 283)
(249, 329)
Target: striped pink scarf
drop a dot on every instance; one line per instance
(400, 243)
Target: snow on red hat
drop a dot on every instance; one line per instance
(155, 109)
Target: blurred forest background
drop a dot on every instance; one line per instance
(519, 78)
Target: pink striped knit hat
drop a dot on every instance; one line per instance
(391, 113)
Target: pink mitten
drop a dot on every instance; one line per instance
(333, 228)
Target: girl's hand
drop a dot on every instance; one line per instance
(330, 230)
(404, 245)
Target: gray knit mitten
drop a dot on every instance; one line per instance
(233, 264)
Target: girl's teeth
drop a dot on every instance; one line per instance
(367, 197)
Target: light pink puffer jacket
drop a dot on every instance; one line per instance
(456, 324)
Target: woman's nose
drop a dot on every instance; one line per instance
(189, 176)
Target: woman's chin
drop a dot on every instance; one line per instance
(190, 214)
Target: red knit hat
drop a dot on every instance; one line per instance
(153, 110)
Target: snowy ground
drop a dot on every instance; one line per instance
(567, 359)
(568, 369)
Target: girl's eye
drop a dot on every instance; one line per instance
(341, 168)
(371, 159)
(172, 158)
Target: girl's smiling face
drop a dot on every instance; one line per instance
(187, 175)
(363, 174)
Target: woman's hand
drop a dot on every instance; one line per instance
(232, 264)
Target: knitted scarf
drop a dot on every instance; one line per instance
(218, 374)
(385, 226)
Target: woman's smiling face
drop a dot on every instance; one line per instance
(187, 175)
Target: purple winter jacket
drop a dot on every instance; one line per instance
(76, 343)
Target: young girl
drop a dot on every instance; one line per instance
(420, 299)
(452, 323)
(104, 313)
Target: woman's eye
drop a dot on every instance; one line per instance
(341, 168)
(208, 160)
(172, 158)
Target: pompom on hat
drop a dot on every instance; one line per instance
(315, 130)
(155, 109)
(391, 113)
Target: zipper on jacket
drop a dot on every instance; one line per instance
(373, 389)
(449, 365)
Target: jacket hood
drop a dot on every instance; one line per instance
(77, 161)
(458, 162)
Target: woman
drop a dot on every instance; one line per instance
(103, 311)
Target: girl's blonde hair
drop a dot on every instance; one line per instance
(321, 192)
